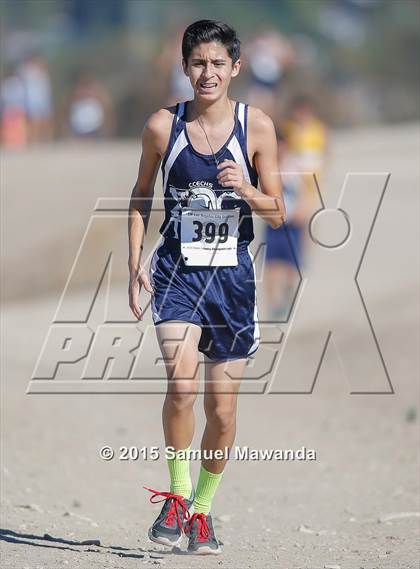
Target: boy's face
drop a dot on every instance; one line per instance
(210, 70)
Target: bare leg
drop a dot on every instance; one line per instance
(280, 280)
(220, 405)
(274, 282)
(179, 346)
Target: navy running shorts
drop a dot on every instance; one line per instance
(221, 300)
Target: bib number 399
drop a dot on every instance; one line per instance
(210, 231)
(209, 237)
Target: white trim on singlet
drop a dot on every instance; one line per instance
(180, 143)
(235, 148)
(180, 111)
(241, 115)
(256, 323)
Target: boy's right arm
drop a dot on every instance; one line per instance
(154, 142)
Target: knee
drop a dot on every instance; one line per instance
(221, 417)
(182, 394)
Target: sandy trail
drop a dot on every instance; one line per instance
(269, 514)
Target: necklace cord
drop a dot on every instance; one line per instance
(205, 133)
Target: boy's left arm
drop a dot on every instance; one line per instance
(268, 203)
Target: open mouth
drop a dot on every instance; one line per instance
(207, 86)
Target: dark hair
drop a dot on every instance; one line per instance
(206, 31)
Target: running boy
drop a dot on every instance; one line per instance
(212, 151)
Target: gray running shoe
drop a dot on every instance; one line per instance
(168, 528)
(202, 541)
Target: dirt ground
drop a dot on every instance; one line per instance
(355, 507)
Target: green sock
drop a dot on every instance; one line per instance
(206, 489)
(179, 471)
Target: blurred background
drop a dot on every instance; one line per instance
(77, 73)
(356, 58)
(340, 78)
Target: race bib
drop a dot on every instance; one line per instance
(209, 237)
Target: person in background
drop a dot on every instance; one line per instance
(36, 82)
(89, 110)
(302, 149)
(178, 85)
(283, 245)
(269, 55)
(305, 136)
(13, 120)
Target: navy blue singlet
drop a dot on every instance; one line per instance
(189, 177)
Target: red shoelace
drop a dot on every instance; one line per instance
(203, 529)
(176, 500)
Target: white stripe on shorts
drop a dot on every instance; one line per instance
(256, 324)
